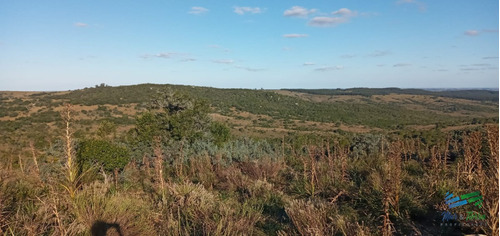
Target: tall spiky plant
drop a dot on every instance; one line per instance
(35, 161)
(71, 169)
(395, 176)
(159, 167)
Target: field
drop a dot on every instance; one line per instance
(155, 159)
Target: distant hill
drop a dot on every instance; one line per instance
(471, 94)
(386, 108)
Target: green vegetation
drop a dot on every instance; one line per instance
(102, 153)
(369, 113)
(181, 160)
(479, 95)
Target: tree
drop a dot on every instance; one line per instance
(106, 128)
(173, 116)
(101, 152)
(220, 133)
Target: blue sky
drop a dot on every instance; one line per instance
(61, 45)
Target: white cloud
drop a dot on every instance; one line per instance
(309, 64)
(80, 24)
(297, 11)
(325, 21)
(295, 35)
(198, 10)
(340, 16)
(345, 12)
(329, 68)
(471, 32)
(243, 10)
(223, 61)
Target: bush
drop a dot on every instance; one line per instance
(94, 151)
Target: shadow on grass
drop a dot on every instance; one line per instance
(100, 228)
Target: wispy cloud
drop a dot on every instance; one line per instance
(249, 68)
(471, 32)
(379, 53)
(298, 11)
(182, 57)
(348, 56)
(421, 6)
(490, 30)
(80, 24)
(243, 10)
(488, 58)
(478, 32)
(164, 55)
(295, 35)
(481, 64)
(188, 60)
(198, 10)
(329, 68)
(309, 64)
(325, 21)
(478, 67)
(401, 65)
(340, 16)
(224, 61)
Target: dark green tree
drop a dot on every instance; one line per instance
(173, 116)
(101, 152)
(220, 133)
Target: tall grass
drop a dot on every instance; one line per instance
(388, 187)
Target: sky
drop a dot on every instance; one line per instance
(62, 45)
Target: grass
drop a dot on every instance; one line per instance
(314, 190)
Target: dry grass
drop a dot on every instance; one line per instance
(489, 181)
(210, 195)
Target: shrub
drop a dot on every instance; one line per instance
(94, 151)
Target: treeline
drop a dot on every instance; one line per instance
(478, 95)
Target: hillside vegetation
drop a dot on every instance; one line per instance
(478, 95)
(181, 160)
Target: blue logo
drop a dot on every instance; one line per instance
(467, 218)
(474, 197)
